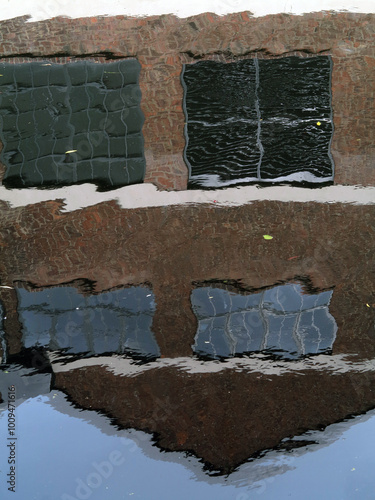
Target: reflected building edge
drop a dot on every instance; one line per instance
(223, 408)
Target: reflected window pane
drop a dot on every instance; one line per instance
(258, 120)
(118, 321)
(282, 320)
(70, 123)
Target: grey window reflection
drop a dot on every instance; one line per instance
(283, 320)
(118, 321)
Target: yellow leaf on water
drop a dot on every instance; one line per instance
(267, 237)
(368, 305)
(70, 151)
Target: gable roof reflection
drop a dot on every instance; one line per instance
(117, 321)
(282, 320)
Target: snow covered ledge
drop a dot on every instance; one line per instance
(147, 195)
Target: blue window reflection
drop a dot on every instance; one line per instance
(118, 321)
(282, 320)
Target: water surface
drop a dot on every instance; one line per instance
(173, 351)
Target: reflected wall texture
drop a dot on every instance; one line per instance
(196, 258)
(172, 248)
(165, 45)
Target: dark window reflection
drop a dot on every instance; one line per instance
(258, 121)
(71, 123)
(117, 321)
(282, 320)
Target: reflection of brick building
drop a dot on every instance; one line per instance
(173, 247)
(163, 44)
(221, 413)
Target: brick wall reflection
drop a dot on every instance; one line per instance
(173, 247)
(163, 44)
(224, 416)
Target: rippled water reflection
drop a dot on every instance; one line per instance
(174, 352)
(258, 120)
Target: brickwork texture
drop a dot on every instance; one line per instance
(162, 44)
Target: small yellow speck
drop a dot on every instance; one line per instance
(267, 237)
(318, 123)
(368, 305)
(70, 151)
